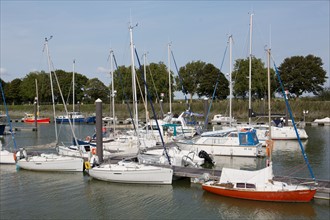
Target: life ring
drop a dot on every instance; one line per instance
(244, 130)
(104, 129)
(94, 151)
(87, 165)
(88, 138)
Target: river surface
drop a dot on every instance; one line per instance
(46, 195)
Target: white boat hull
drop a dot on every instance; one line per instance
(132, 173)
(223, 150)
(51, 162)
(7, 157)
(66, 151)
(177, 157)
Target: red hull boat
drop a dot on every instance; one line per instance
(305, 195)
(29, 118)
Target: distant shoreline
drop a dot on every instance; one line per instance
(316, 109)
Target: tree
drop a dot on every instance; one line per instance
(259, 79)
(303, 74)
(156, 78)
(11, 91)
(66, 82)
(95, 89)
(189, 76)
(208, 81)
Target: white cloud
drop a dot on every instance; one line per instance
(101, 69)
(3, 71)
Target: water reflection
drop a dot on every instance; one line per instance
(122, 201)
(238, 208)
(244, 163)
(288, 145)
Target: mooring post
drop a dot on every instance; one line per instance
(206, 109)
(35, 115)
(99, 141)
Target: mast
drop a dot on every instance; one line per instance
(269, 95)
(230, 79)
(133, 78)
(250, 70)
(73, 98)
(37, 98)
(51, 84)
(112, 92)
(269, 141)
(145, 88)
(169, 76)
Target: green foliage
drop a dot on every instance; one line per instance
(324, 95)
(156, 78)
(95, 89)
(303, 74)
(190, 75)
(10, 90)
(259, 79)
(208, 80)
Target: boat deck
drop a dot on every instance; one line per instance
(322, 188)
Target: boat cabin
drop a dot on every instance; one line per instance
(248, 137)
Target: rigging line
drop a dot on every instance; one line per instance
(154, 85)
(66, 111)
(181, 82)
(293, 123)
(152, 107)
(124, 93)
(8, 117)
(137, 80)
(215, 88)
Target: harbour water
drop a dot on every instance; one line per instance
(46, 195)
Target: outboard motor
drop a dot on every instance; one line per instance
(21, 154)
(206, 156)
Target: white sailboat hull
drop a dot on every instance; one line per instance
(221, 147)
(51, 162)
(177, 157)
(66, 151)
(6, 157)
(132, 173)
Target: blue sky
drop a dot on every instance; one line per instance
(198, 30)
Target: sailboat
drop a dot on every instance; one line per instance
(260, 184)
(49, 162)
(6, 157)
(74, 116)
(131, 171)
(30, 118)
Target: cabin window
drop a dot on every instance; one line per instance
(232, 135)
(245, 185)
(240, 185)
(250, 186)
(244, 139)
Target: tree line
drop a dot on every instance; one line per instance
(299, 75)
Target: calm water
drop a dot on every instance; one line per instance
(35, 195)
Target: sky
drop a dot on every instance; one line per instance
(86, 31)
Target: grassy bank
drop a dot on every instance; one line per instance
(316, 109)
